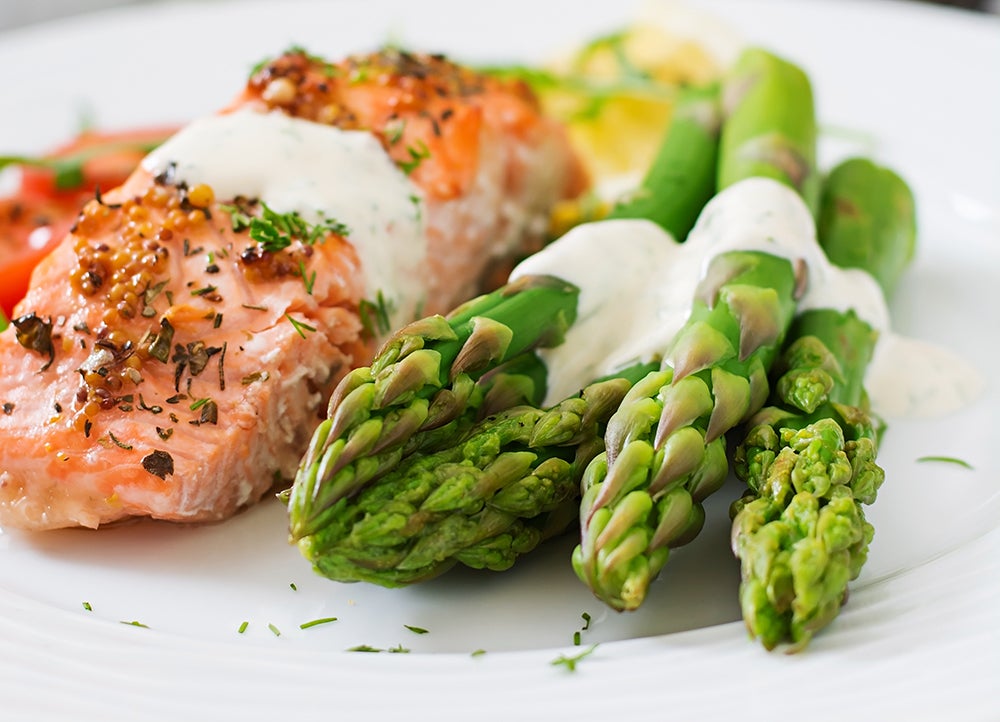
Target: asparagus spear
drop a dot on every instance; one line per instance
(769, 126)
(512, 482)
(427, 385)
(808, 460)
(681, 179)
(665, 447)
(644, 495)
(867, 220)
(809, 457)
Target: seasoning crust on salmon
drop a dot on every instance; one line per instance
(176, 350)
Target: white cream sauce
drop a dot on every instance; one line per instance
(637, 283)
(910, 378)
(321, 172)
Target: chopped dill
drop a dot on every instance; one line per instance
(239, 218)
(398, 649)
(394, 130)
(375, 316)
(308, 281)
(418, 207)
(417, 154)
(317, 622)
(571, 662)
(275, 231)
(946, 460)
(300, 326)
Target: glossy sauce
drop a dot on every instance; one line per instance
(637, 283)
(321, 172)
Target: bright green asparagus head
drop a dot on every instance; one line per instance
(484, 499)
(427, 385)
(809, 463)
(802, 536)
(666, 451)
(809, 458)
(819, 394)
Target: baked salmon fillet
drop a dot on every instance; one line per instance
(175, 352)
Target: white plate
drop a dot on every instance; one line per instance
(922, 629)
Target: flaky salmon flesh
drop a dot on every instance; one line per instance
(166, 363)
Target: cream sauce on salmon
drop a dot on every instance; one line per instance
(322, 173)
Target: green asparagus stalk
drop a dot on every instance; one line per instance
(769, 126)
(809, 458)
(665, 446)
(511, 483)
(426, 386)
(867, 220)
(682, 177)
(809, 463)
(666, 450)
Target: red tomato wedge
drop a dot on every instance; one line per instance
(29, 229)
(51, 191)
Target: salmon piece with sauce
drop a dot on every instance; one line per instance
(175, 352)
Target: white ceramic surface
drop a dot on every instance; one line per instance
(921, 633)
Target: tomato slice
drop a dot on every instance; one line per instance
(52, 191)
(96, 160)
(29, 229)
